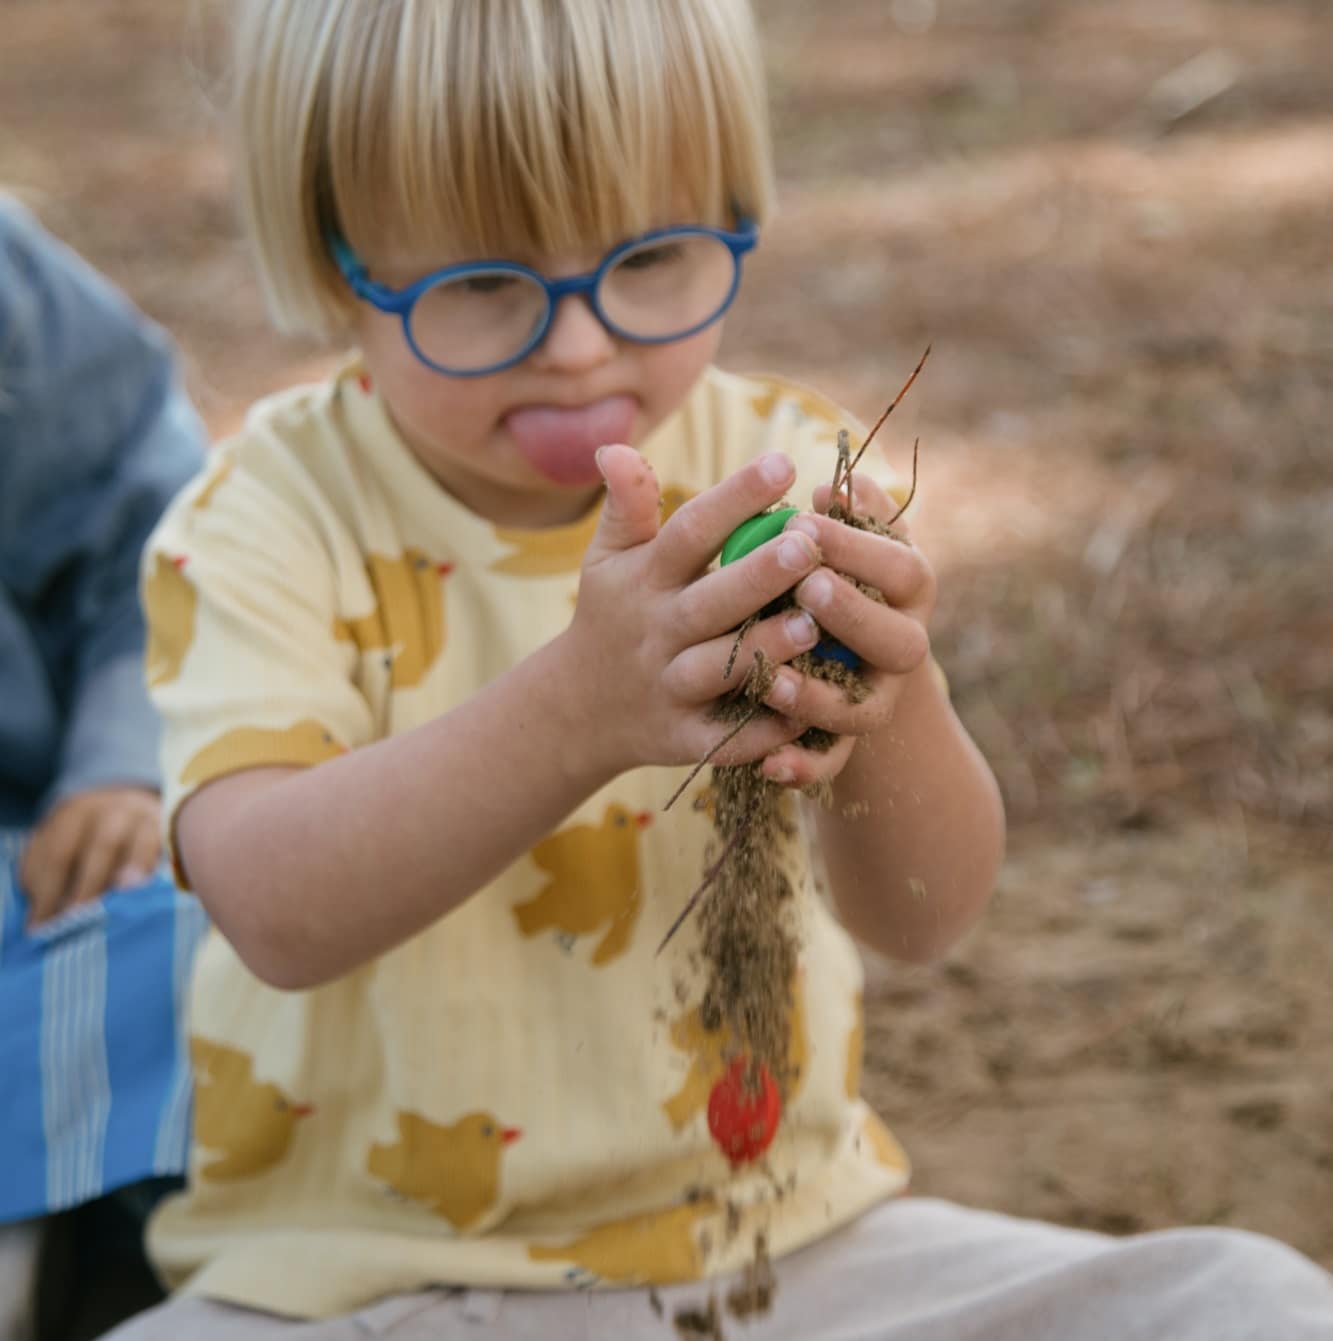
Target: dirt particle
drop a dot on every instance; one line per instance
(753, 1294)
(693, 1323)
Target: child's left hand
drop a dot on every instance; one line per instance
(891, 640)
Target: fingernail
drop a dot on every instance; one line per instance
(775, 468)
(782, 695)
(802, 630)
(805, 525)
(796, 553)
(815, 592)
(597, 457)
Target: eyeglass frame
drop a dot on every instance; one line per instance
(400, 302)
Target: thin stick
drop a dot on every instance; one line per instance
(878, 422)
(710, 875)
(736, 646)
(911, 493)
(695, 771)
(843, 462)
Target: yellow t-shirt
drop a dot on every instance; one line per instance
(516, 1097)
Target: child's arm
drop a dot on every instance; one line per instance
(915, 833)
(311, 873)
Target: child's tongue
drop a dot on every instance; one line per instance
(562, 443)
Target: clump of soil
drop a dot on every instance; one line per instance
(699, 1324)
(748, 945)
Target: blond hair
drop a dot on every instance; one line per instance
(491, 127)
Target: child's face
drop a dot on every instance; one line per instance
(517, 446)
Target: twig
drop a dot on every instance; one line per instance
(695, 771)
(736, 646)
(911, 493)
(710, 875)
(907, 386)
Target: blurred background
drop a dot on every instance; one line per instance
(1114, 221)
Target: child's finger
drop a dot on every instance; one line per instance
(697, 530)
(723, 600)
(698, 674)
(100, 857)
(145, 850)
(632, 510)
(815, 702)
(48, 863)
(882, 635)
(794, 766)
(45, 876)
(901, 573)
(766, 733)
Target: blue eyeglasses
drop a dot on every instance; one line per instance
(485, 316)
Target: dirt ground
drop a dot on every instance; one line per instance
(1113, 222)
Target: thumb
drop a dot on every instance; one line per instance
(631, 514)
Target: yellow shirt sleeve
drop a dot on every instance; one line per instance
(244, 660)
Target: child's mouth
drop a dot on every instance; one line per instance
(560, 442)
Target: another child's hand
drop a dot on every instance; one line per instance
(653, 630)
(93, 841)
(891, 640)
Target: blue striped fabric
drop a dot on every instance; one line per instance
(94, 1067)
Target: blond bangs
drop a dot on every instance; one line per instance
(490, 127)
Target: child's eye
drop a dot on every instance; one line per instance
(647, 257)
(486, 283)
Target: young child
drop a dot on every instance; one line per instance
(96, 436)
(431, 659)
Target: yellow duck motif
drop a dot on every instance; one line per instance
(250, 1123)
(883, 1145)
(658, 1248)
(560, 549)
(212, 483)
(856, 1047)
(307, 742)
(171, 601)
(710, 1052)
(546, 552)
(809, 402)
(408, 621)
(594, 882)
(453, 1170)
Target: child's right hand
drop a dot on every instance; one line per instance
(93, 841)
(653, 631)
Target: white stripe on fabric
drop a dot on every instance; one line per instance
(76, 1081)
(11, 844)
(173, 1132)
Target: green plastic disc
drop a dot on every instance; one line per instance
(751, 534)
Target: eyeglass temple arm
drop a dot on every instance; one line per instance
(746, 236)
(354, 272)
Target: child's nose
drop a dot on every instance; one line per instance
(577, 340)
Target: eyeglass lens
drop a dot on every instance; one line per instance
(656, 291)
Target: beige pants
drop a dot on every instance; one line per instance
(913, 1270)
(20, 1245)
